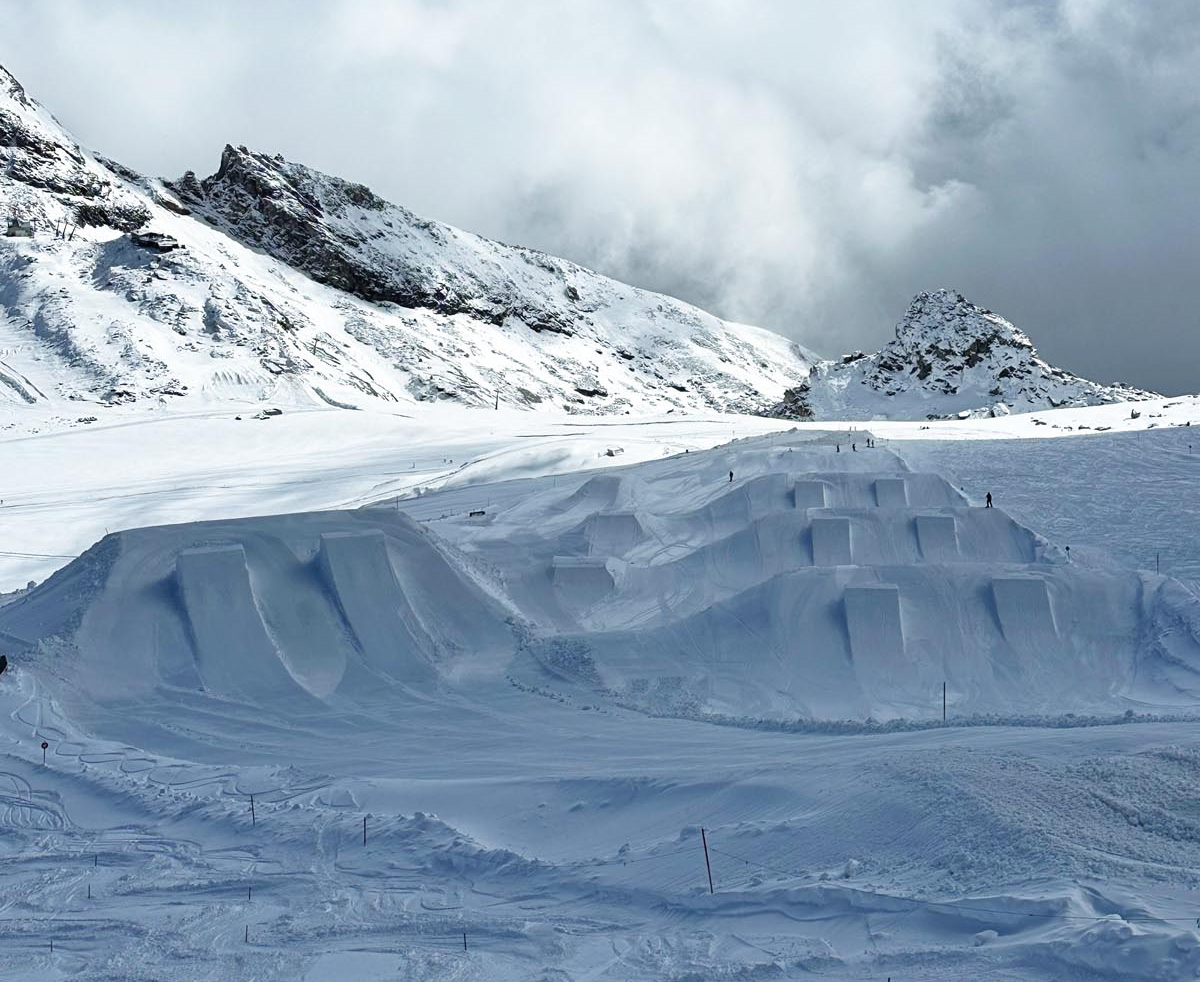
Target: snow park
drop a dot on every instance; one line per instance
(382, 602)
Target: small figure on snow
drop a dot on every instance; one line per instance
(731, 477)
(989, 500)
(854, 447)
(3, 663)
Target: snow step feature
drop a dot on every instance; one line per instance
(873, 620)
(581, 579)
(831, 541)
(360, 574)
(235, 655)
(596, 493)
(1024, 610)
(810, 494)
(937, 536)
(883, 489)
(891, 492)
(613, 533)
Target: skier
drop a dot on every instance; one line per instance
(731, 477)
(989, 500)
(854, 447)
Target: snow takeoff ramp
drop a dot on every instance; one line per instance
(1024, 611)
(360, 575)
(891, 492)
(809, 494)
(873, 621)
(938, 537)
(613, 533)
(581, 580)
(235, 656)
(831, 541)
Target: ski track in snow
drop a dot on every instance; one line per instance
(558, 830)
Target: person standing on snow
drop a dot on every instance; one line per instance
(731, 477)
(989, 500)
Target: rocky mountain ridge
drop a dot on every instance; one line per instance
(270, 280)
(949, 358)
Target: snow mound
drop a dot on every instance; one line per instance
(280, 613)
(664, 585)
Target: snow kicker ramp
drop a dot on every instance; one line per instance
(287, 614)
(854, 641)
(825, 584)
(388, 633)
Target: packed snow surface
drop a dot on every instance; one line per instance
(535, 710)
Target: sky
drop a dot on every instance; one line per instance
(803, 165)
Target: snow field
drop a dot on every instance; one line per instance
(561, 736)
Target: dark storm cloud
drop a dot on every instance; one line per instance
(804, 166)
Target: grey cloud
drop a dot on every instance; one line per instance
(804, 167)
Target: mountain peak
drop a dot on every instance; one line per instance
(947, 314)
(949, 357)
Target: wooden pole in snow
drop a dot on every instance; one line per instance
(707, 864)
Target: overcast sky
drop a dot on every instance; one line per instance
(806, 166)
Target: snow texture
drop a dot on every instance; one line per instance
(534, 734)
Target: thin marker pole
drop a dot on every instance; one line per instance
(464, 940)
(943, 702)
(364, 830)
(707, 864)
(253, 819)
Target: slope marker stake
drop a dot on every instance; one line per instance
(707, 864)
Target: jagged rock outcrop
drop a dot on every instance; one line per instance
(36, 155)
(949, 358)
(293, 285)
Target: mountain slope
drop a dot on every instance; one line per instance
(297, 287)
(949, 357)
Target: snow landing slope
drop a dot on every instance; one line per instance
(293, 286)
(820, 583)
(949, 358)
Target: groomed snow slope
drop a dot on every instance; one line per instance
(566, 840)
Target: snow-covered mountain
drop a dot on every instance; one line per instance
(949, 358)
(292, 286)
(270, 281)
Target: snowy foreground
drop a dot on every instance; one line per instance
(530, 714)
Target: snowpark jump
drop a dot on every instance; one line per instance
(337, 665)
